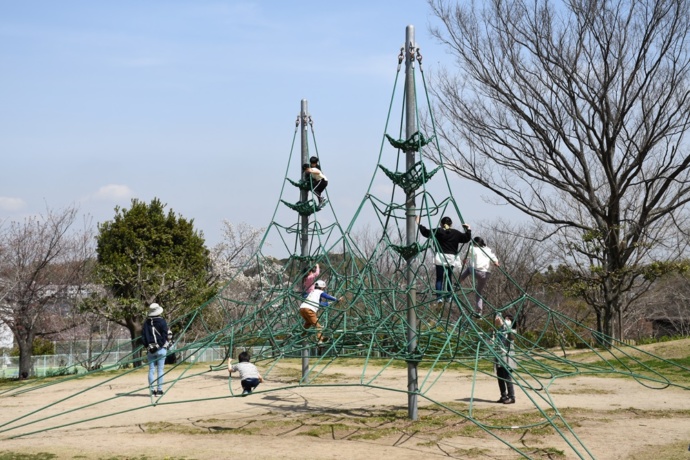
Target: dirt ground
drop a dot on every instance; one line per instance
(611, 418)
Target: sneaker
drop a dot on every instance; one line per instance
(502, 400)
(439, 301)
(245, 392)
(509, 401)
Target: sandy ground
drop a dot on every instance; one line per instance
(198, 418)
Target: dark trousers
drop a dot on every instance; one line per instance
(479, 280)
(505, 382)
(249, 384)
(320, 186)
(443, 276)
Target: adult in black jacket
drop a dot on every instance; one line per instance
(448, 240)
(504, 360)
(155, 335)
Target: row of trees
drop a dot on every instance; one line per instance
(575, 113)
(58, 274)
(530, 267)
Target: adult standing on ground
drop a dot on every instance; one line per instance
(155, 335)
(448, 241)
(504, 362)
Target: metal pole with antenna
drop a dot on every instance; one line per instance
(304, 224)
(410, 208)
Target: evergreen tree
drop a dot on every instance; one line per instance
(145, 256)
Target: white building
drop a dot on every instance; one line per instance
(6, 337)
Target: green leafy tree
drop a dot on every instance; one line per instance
(146, 255)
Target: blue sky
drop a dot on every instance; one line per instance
(194, 102)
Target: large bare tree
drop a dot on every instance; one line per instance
(44, 262)
(575, 113)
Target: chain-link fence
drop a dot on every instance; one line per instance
(90, 358)
(80, 358)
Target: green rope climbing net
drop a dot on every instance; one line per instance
(370, 326)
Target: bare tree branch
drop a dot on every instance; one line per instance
(575, 113)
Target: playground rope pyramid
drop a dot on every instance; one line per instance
(370, 325)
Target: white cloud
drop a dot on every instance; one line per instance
(113, 192)
(11, 204)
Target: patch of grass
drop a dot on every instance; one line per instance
(384, 417)
(534, 434)
(666, 413)
(453, 405)
(474, 452)
(625, 361)
(373, 435)
(141, 457)
(580, 391)
(16, 456)
(540, 431)
(673, 451)
(544, 452)
(325, 430)
(467, 429)
(167, 427)
(289, 373)
(119, 457)
(277, 423)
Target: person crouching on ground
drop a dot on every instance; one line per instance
(249, 374)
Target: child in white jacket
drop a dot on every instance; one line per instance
(481, 258)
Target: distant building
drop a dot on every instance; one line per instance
(6, 337)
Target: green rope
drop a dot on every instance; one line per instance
(412, 144)
(305, 208)
(302, 184)
(411, 179)
(409, 251)
(369, 327)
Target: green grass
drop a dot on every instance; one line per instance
(16, 456)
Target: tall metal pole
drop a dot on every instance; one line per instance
(411, 128)
(304, 224)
